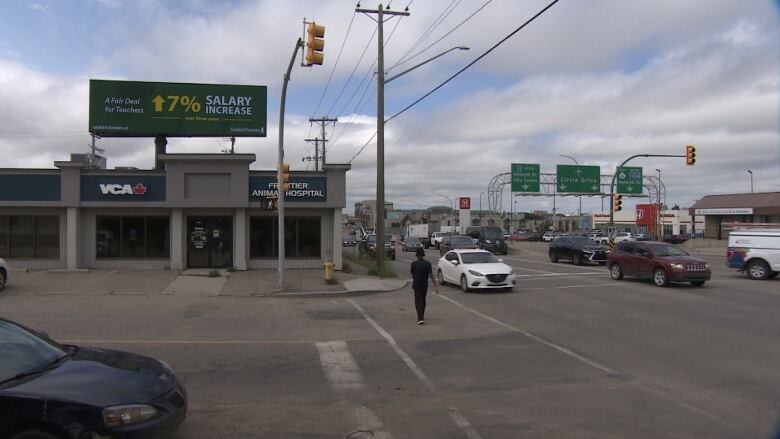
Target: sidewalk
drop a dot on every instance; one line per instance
(251, 283)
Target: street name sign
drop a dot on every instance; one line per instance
(525, 177)
(579, 179)
(150, 109)
(629, 180)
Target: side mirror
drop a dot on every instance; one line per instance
(455, 262)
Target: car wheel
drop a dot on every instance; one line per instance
(2, 280)
(697, 283)
(35, 434)
(757, 270)
(464, 284)
(440, 277)
(553, 256)
(774, 274)
(615, 271)
(660, 278)
(576, 259)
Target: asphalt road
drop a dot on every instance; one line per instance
(569, 354)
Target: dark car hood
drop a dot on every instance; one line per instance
(100, 378)
(595, 248)
(682, 259)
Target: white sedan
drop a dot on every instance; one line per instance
(3, 274)
(475, 269)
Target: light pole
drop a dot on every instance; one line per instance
(451, 206)
(659, 232)
(480, 207)
(579, 212)
(514, 207)
(380, 120)
(751, 180)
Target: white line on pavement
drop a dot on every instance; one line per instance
(340, 367)
(547, 263)
(557, 274)
(198, 342)
(566, 287)
(458, 417)
(559, 348)
(78, 287)
(368, 421)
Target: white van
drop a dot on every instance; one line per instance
(755, 251)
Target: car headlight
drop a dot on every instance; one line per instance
(476, 273)
(707, 266)
(678, 266)
(487, 241)
(122, 415)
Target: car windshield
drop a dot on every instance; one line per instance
(478, 258)
(23, 352)
(412, 241)
(371, 238)
(461, 240)
(349, 239)
(493, 233)
(668, 250)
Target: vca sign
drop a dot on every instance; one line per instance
(122, 188)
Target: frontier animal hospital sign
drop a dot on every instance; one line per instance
(303, 189)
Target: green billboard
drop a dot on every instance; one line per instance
(525, 177)
(579, 179)
(149, 109)
(629, 180)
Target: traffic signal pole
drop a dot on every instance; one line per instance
(280, 167)
(612, 192)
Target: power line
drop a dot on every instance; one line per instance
(371, 38)
(335, 64)
(362, 148)
(403, 61)
(474, 61)
(430, 29)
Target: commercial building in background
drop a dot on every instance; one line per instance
(195, 211)
(718, 211)
(673, 222)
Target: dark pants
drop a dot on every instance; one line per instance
(419, 303)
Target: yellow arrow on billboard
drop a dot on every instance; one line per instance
(158, 103)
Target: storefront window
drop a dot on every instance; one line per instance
(3, 236)
(29, 237)
(133, 237)
(22, 237)
(158, 237)
(47, 237)
(683, 229)
(668, 230)
(301, 237)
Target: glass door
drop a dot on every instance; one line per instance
(210, 242)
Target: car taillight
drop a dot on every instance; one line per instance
(729, 253)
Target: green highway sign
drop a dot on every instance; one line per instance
(579, 179)
(149, 109)
(525, 177)
(629, 180)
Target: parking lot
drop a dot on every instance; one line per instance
(568, 353)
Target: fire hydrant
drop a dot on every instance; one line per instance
(329, 270)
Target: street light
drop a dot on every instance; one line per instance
(751, 180)
(380, 122)
(579, 212)
(658, 210)
(480, 207)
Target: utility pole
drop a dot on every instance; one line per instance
(322, 121)
(380, 130)
(316, 153)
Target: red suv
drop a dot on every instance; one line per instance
(659, 261)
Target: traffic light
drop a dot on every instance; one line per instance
(285, 177)
(618, 203)
(314, 44)
(690, 155)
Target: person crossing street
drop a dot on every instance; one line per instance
(421, 272)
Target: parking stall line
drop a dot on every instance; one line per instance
(454, 413)
(79, 287)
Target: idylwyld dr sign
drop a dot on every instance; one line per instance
(149, 109)
(579, 179)
(629, 180)
(525, 177)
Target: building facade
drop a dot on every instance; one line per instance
(199, 211)
(673, 222)
(720, 211)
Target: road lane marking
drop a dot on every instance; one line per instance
(566, 287)
(200, 342)
(339, 366)
(547, 263)
(558, 274)
(458, 417)
(368, 422)
(78, 287)
(557, 347)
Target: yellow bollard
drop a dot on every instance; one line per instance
(329, 270)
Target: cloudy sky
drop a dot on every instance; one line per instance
(598, 80)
